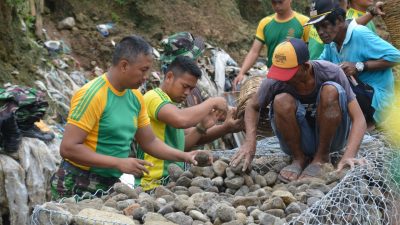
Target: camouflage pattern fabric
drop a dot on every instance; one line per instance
(182, 43)
(70, 180)
(28, 104)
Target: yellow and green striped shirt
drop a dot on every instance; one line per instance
(155, 100)
(354, 14)
(111, 119)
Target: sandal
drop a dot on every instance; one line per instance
(312, 171)
(293, 168)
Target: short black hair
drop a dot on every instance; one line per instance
(336, 14)
(184, 64)
(129, 48)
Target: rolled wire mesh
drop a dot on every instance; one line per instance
(42, 216)
(367, 194)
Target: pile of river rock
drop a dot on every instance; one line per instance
(216, 194)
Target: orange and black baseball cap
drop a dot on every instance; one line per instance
(286, 59)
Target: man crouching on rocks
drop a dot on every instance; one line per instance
(313, 112)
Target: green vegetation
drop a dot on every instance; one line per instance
(121, 2)
(115, 17)
(30, 22)
(15, 3)
(299, 6)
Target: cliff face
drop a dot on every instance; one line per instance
(18, 55)
(219, 22)
(228, 24)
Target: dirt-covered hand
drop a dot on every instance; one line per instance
(378, 8)
(349, 69)
(190, 157)
(246, 152)
(133, 166)
(232, 123)
(238, 79)
(220, 104)
(350, 162)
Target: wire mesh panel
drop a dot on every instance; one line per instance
(367, 194)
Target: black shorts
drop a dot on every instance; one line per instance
(364, 94)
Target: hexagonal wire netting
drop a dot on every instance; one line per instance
(367, 194)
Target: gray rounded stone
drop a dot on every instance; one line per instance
(267, 219)
(248, 181)
(315, 193)
(243, 191)
(260, 180)
(193, 190)
(166, 209)
(161, 191)
(229, 172)
(218, 181)
(293, 207)
(208, 172)
(276, 212)
(179, 218)
(271, 178)
(184, 181)
(139, 213)
(174, 171)
(203, 158)
(202, 182)
(255, 214)
(181, 203)
(196, 215)
(219, 167)
(226, 213)
(125, 189)
(311, 201)
(234, 183)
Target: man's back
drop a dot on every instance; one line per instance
(323, 71)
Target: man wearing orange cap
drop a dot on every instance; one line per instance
(313, 112)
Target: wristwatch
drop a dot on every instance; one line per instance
(360, 66)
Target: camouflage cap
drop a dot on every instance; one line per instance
(182, 43)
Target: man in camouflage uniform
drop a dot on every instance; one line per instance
(72, 180)
(185, 44)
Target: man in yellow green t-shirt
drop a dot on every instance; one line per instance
(360, 8)
(271, 31)
(181, 128)
(105, 115)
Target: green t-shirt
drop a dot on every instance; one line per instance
(272, 31)
(154, 101)
(110, 118)
(315, 44)
(354, 14)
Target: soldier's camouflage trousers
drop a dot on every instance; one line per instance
(70, 180)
